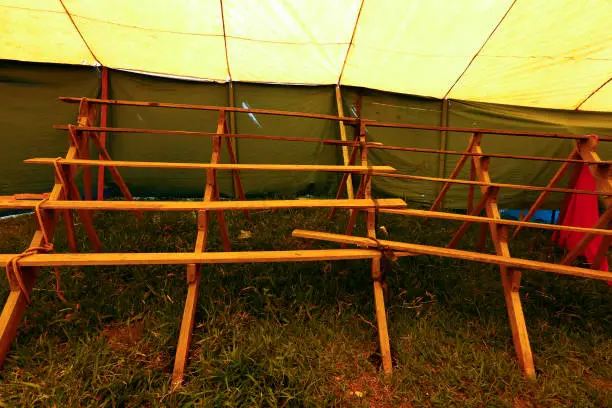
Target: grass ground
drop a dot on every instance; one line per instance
(302, 334)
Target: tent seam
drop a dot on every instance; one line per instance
(156, 30)
(229, 72)
(479, 50)
(350, 44)
(593, 93)
(79, 32)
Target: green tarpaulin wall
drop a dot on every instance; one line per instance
(29, 108)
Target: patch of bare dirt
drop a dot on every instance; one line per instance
(367, 387)
(127, 339)
(120, 337)
(369, 390)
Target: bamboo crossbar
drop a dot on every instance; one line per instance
(185, 258)
(374, 123)
(208, 134)
(217, 166)
(150, 205)
(347, 143)
(346, 120)
(456, 254)
(498, 155)
(115, 102)
(486, 220)
(492, 184)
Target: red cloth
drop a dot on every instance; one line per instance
(582, 211)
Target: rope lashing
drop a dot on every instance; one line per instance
(13, 271)
(385, 250)
(388, 254)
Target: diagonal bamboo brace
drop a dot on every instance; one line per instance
(474, 139)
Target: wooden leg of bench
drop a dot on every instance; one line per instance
(70, 234)
(238, 188)
(602, 252)
(13, 311)
(511, 283)
(84, 215)
(194, 276)
(381, 319)
(511, 278)
(227, 245)
(482, 237)
(353, 218)
(474, 139)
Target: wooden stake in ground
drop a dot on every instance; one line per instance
(378, 277)
(16, 303)
(510, 277)
(194, 271)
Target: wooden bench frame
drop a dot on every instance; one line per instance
(65, 198)
(583, 154)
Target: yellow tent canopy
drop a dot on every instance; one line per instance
(540, 53)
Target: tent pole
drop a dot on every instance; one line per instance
(232, 114)
(345, 153)
(103, 123)
(351, 159)
(232, 148)
(443, 134)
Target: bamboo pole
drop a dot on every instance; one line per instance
(328, 117)
(151, 205)
(345, 153)
(379, 280)
(544, 195)
(186, 258)
(492, 184)
(443, 141)
(418, 249)
(510, 277)
(103, 123)
(374, 123)
(194, 271)
(216, 166)
(17, 300)
(347, 143)
(206, 107)
(487, 220)
(475, 138)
